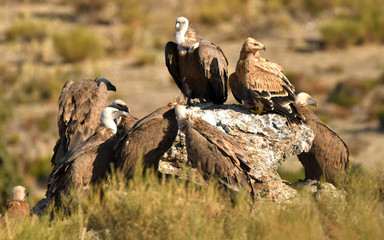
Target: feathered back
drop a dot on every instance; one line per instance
(149, 138)
(80, 106)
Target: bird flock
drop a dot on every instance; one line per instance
(93, 136)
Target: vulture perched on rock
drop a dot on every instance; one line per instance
(18, 207)
(149, 138)
(198, 67)
(214, 153)
(89, 161)
(260, 83)
(80, 106)
(329, 155)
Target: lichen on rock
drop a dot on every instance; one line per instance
(267, 138)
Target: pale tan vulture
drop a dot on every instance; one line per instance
(89, 161)
(149, 138)
(198, 67)
(214, 153)
(80, 106)
(329, 155)
(260, 83)
(18, 207)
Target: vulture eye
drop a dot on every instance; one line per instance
(256, 44)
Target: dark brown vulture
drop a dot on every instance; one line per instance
(18, 207)
(214, 153)
(80, 106)
(149, 138)
(329, 155)
(258, 82)
(198, 67)
(89, 161)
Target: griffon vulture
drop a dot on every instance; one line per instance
(329, 155)
(18, 206)
(198, 67)
(90, 160)
(214, 153)
(262, 83)
(149, 138)
(80, 106)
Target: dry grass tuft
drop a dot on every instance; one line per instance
(27, 31)
(146, 208)
(77, 45)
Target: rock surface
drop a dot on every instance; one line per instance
(267, 138)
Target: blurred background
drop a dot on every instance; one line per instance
(331, 49)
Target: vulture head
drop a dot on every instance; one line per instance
(304, 99)
(110, 116)
(181, 28)
(121, 105)
(19, 193)
(251, 45)
(184, 117)
(181, 24)
(107, 83)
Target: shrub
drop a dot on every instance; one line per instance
(361, 21)
(343, 96)
(371, 16)
(89, 6)
(77, 45)
(214, 12)
(342, 33)
(40, 169)
(26, 31)
(131, 11)
(147, 58)
(10, 172)
(349, 92)
(380, 117)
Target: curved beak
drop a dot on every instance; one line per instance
(312, 102)
(264, 48)
(111, 88)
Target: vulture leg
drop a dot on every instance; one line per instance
(189, 102)
(260, 108)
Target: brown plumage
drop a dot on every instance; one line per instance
(18, 207)
(149, 138)
(89, 161)
(329, 155)
(214, 153)
(80, 106)
(198, 67)
(258, 81)
(125, 124)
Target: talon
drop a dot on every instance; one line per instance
(258, 111)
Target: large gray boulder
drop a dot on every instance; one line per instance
(267, 138)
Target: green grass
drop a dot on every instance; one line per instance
(152, 209)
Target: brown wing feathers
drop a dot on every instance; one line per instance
(258, 80)
(80, 106)
(215, 153)
(198, 67)
(150, 138)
